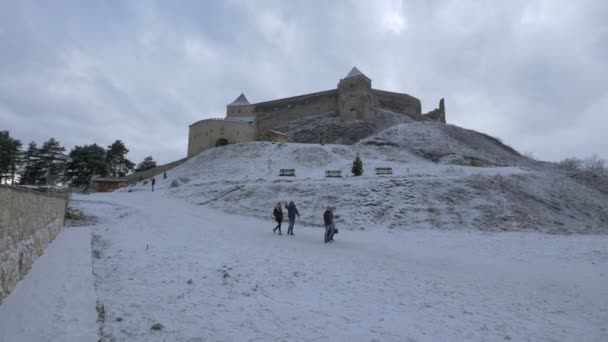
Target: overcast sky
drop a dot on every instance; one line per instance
(533, 73)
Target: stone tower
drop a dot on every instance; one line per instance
(239, 107)
(355, 98)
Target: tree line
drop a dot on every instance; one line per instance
(50, 165)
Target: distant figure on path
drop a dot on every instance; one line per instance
(278, 216)
(328, 219)
(165, 175)
(292, 211)
(153, 182)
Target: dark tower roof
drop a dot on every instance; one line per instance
(240, 101)
(354, 72)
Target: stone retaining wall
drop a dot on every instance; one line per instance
(29, 221)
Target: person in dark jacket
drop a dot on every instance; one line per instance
(328, 219)
(278, 216)
(292, 211)
(153, 182)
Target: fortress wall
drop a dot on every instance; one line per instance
(205, 134)
(239, 111)
(355, 99)
(398, 103)
(29, 221)
(275, 113)
(437, 114)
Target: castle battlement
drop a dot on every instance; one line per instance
(353, 99)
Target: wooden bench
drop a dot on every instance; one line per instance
(384, 170)
(333, 173)
(287, 172)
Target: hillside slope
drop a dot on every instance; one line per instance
(449, 144)
(421, 193)
(333, 129)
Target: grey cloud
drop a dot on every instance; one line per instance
(531, 72)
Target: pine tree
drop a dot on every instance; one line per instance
(16, 155)
(32, 166)
(357, 168)
(86, 162)
(119, 165)
(5, 154)
(53, 160)
(10, 156)
(147, 164)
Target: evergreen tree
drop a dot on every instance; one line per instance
(5, 154)
(357, 168)
(32, 172)
(119, 165)
(147, 164)
(16, 159)
(53, 160)
(10, 156)
(86, 162)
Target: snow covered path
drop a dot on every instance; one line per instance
(208, 276)
(56, 300)
(205, 275)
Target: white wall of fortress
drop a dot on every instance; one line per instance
(205, 134)
(29, 221)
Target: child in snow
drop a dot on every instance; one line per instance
(278, 216)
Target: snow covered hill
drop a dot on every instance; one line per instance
(333, 129)
(434, 184)
(170, 266)
(449, 144)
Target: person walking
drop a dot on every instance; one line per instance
(328, 219)
(153, 182)
(292, 211)
(278, 216)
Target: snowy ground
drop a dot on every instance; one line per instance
(56, 299)
(420, 194)
(209, 276)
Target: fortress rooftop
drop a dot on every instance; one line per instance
(240, 101)
(354, 72)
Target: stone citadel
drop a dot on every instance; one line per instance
(353, 100)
